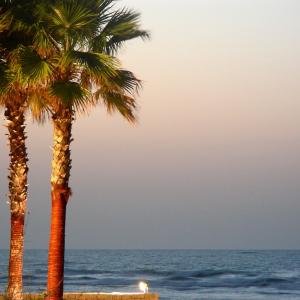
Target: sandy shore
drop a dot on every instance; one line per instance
(95, 296)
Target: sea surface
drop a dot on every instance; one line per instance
(174, 274)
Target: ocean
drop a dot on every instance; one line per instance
(174, 274)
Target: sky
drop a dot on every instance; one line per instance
(214, 162)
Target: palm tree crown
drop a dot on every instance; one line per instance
(73, 52)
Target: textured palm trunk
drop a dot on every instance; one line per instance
(60, 192)
(17, 195)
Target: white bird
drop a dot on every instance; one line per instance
(143, 286)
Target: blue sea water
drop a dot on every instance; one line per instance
(174, 274)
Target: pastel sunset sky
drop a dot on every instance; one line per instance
(214, 161)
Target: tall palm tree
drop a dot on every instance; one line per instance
(15, 97)
(12, 98)
(74, 48)
(15, 107)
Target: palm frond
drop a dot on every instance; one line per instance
(33, 67)
(118, 101)
(123, 80)
(70, 93)
(102, 8)
(116, 42)
(118, 94)
(122, 26)
(126, 81)
(39, 104)
(71, 22)
(5, 21)
(44, 44)
(6, 79)
(94, 63)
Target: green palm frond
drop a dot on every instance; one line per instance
(113, 45)
(126, 81)
(18, 15)
(44, 44)
(71, 21)
(5, 21)
(104, 5)
(33, 67)
(123, 80)
(38, 104)
(117, 94)
(102, 8)
(122, 21)
(122, 26)
(118, 101)
(94, 63)
(6, 79)
(70, 93)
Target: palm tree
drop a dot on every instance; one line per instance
(15, 119)
(15, 96)
(13, 100)
(74, 47)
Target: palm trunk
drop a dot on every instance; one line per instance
(17, 195)
(60, 192)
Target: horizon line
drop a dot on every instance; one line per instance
(165, 249)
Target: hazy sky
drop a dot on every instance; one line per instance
(215, 159)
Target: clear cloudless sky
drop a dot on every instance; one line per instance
(215, 159)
